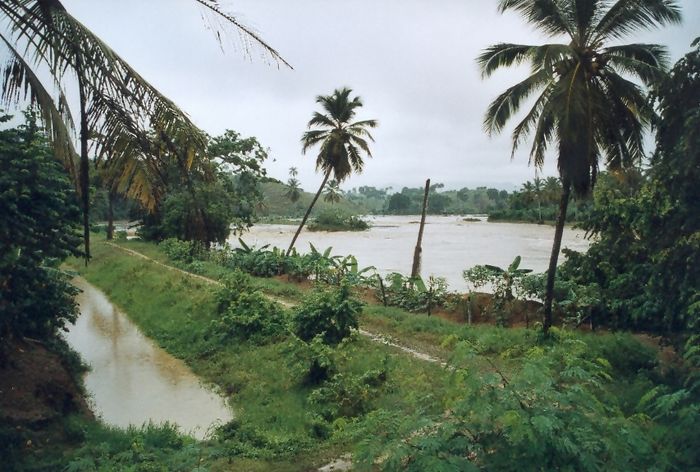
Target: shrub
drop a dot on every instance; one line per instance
(331, 313)
(548, 415)
(505, 282)
(314, 361)
(182, 251)
(413, 294)
(347, 395)
(245, 314)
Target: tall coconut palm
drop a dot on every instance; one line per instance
(342, 141)
(51, 54)
(585, 105)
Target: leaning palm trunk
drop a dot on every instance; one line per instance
(556, 247)
(110, 215)
(84, 161)
(308, 211)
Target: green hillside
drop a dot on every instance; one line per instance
(276, 203)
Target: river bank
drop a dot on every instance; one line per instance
(277, 428)
(275, 420)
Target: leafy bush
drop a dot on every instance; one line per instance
(412, 294)
(40, 215)
(182, 251)
(246, 314)
(314, 360)
(259, 262)
(547, 415)
(347, 395)
(504, 283)
(331, 313)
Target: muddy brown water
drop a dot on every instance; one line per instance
(133, 381)
(450, 244)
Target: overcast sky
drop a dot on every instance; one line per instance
(411, 61)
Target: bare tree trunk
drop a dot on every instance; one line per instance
(110, 215)
(308, 212)
(415, 270)
(84, 162)
(556, 247)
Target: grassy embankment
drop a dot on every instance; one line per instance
(269, 400)
(271, 403)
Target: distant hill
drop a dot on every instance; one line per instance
(276, 203)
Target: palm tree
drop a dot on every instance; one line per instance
(537, 187)
(342, 141)
(293, 192)
(119, 111)
(333, 193)
(585, 105)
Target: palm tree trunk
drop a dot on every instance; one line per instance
(415, 269)
(84, 162)
(308, 211)
(110, 215)
(556, 247)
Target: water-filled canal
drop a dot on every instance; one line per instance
(132, 381)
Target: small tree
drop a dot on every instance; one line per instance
(41, 217)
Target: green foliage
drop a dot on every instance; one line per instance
(330, 313)
(412, 294)
(182, 251)
(503, 281)
(149, 448)
(246, 314)
(678, 413)
(548, 414)
(202, 203)
(40, 215)
(259, 262)
(645, 255)
(347, 395)
(334, 220)
(315, 360)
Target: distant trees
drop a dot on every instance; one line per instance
(586, 106)
(342, 141)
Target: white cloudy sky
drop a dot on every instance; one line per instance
(412, 62)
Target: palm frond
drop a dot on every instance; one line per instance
(549, 16)
(19, 81)
(502, 55)
(646, 61)
(628, 16)
(249, 38)
(355, 140)
(508, 103)
(319, 119)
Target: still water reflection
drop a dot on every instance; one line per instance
(450, 244)
(133, 381)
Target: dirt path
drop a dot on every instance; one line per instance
(376, 337)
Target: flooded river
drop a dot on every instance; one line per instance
(133, 381)
(450, 244)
